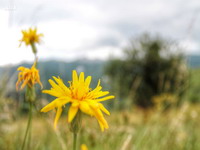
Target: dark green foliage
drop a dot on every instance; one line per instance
(151, 66)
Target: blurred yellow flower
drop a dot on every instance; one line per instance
(84, 147)
(28, 77)
(81, 97)
(30, 36)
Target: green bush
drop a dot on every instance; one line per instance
(151, 66)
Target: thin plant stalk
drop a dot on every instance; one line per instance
(30, 133)
(74, 142)
(33, 48)
(75, 127)
(28, 124)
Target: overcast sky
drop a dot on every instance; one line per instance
(94, 29)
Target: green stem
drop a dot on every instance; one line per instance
(74, 142)
(28, 124)
(29, 135)
(75, 126)
(33, 48)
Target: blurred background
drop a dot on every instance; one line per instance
(146, 53)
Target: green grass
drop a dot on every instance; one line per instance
(175, 129)
(193, 93)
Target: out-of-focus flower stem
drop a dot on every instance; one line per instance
(33, 48)
(28, 124)
(30, 97)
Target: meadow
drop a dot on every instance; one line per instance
(135, 129)
(130, 128)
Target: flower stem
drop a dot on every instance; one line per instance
(33, 48)
(28, 124)
(74, 142)
(75, 126)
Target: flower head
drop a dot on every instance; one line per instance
(80, 96)
(84, 147)
(30, 36)
(28, 77)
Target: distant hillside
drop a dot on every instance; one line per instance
(193, 61)
(64, 70)
(55, 68)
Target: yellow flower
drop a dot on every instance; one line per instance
(81, 97)
(28, 77)
(30, 36)
(84, 147)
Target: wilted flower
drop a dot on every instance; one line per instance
(28, 77)
(81, 97)
(31, 36)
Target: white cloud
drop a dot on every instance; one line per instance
(190, 46)
(94, 29)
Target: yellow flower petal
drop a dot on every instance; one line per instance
(98, 114)
(56, 103)
(52, 92)
(24, 83)
(81, 77)
(87, 81)
(72, 113)
(84, 107)
(28, 77)
(55, 86)
(100, 94)
(58, 114)
(98, 87)
(62, 85)
(49, 107)
(84, 147)
(105, 98)
(104, 109)
(21, 68)
(101, 125)
(75, 77)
